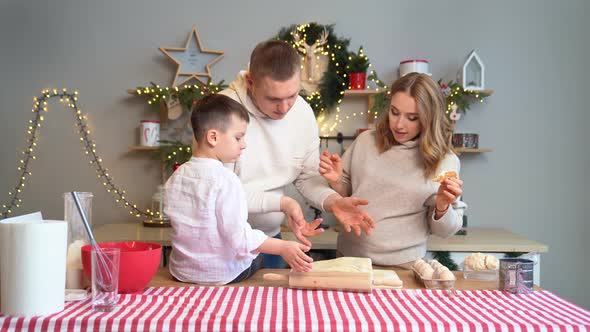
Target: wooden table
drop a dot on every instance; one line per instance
(164, 279)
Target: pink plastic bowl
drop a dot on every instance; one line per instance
(139, 263)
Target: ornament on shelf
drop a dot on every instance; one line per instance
(414, 66)
(472, 73)
(194, 62)
(315, 60)
(174, 108)
(459, 99)
(159, 219)
(358, 64)
(149, 133)
(455, 116)
(470, 140)
(333, 80)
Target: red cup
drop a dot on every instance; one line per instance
(139, 263)
(357, 81)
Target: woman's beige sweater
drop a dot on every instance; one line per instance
(401, 201)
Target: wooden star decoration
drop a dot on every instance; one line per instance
(194, 62)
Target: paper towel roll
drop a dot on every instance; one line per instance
(31, 217)
(32, 267)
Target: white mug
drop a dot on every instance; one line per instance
(149, 133)
(413, 66)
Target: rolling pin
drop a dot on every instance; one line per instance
(345, 273)
(346, 281)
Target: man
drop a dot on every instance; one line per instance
(283, 147)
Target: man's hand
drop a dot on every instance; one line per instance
(330, 167)
(301, 229)
(350, 215)
(294, 254)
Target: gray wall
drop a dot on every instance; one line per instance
(535, 54)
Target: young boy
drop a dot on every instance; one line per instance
(212, 242)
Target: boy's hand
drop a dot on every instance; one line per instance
(330, 166)
(294, 254)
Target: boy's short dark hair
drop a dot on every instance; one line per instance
(275, 59)
(214, 112)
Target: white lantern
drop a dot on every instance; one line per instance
(472, 73)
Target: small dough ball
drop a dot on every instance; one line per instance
(492, 263)
(446, 275)
(426, 271)
(439, 271)
(418, 262)
(435, 264)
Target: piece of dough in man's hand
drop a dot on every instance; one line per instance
(445, 175)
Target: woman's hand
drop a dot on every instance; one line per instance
(347, 210)
(294, 254)
(448, 192)
(331, 167)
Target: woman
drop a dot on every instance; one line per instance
(392, 167)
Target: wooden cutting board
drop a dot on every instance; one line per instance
(344, 273)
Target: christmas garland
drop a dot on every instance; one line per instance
(458, 97)
(334, 81)
(187, 95)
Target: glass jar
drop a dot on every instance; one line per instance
(77, 237)
(158, 205)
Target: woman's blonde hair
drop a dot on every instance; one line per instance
(437, 130)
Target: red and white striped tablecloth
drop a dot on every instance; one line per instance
(282, 309)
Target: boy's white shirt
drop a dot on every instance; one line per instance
(278, 152)
(212, 242)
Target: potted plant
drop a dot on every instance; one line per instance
(357, 66)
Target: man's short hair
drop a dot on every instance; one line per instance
(275, 59)
(214, 112)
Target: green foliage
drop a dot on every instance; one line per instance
(187, 95)
(173, 152)
(357, 62)
(455, 95)
(380, 100)
(444, 257)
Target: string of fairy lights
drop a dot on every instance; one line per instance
(452, 93)
(40, 109)
(157, 93)
(328, 128)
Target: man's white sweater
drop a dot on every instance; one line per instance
(401, 201)
(278, 152)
